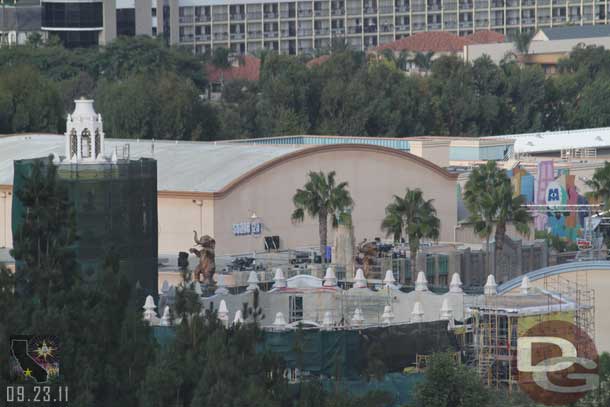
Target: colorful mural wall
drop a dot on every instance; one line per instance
(550, 187)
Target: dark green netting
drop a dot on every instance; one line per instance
(346, 353)
(116, 214)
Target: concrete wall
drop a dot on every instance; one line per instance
(373, 178)
(6, 203)
(109, 32)
(143, 17)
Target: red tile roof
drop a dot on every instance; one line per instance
(486, 37)
(247, 68)
(435, 41)
(317, 61)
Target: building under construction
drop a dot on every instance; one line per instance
(490, 334)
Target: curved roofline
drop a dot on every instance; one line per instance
(307, 151)
(553, 271)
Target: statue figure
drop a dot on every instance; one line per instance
(204, 272)
(367, 251)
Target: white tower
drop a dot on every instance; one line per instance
(84, 133)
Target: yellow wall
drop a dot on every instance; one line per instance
(599, 281)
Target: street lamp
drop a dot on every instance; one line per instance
(199, 203)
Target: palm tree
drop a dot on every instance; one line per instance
(522, 43)
(600, 185)
(417, 217)
(392, 223)
(489, 196)
(423, 60)
(322, 197)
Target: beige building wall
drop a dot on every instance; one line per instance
(109, 32)
(143, 17)
(374, 175)
(599, 281)
(178, 216)
(6, 204)
(435, 150)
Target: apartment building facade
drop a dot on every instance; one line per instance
(297, 27)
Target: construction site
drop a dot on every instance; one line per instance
(490, 333)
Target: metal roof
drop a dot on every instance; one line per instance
(558, 140)
(181, 165)
(576, 31)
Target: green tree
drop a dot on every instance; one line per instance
(450, 384)
(600, 185)
(490, 199)
(28, 101)
(44, 238)
(423, 60)
(220, 58)
(417, 216)
(322, 197)
(522, 42)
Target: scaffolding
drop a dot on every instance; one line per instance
(496, 322)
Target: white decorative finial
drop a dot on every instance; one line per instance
(330, 280)
(456, 284)
(198, 288)
(223, 312)
(421, 284)
(327, 322)
(252, 281)
(358, 318)
(446, 311)
(164, 287)
(389, 280)
(280, 322)
(490, 286)
(279, 281)
(239, 319)
(84, 137)
(525, 286)
(221, 285)
(114, 157)
(360, 280)
(417, 315)
(166, 318)
(388, 316)
(150, 314)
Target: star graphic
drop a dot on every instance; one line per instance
(27, 373)
(44, 350)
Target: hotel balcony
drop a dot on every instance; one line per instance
(202, 19)
(221, 36)
(253, 16)
(305, 13)
(238, 17)
(271, 34)
(337, 12)
(238, 36)
(255, 35)
(186, 19)
(271, 15)
(203, 37)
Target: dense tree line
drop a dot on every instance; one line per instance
(146, 89)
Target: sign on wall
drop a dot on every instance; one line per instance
(247, 228)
